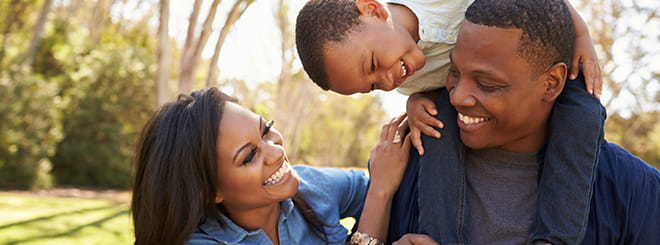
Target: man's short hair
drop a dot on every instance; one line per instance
(548, 35)
(319, 23)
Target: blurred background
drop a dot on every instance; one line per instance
(79, 78)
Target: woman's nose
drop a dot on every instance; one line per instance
(273, 149)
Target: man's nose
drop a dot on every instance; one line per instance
(461, 95)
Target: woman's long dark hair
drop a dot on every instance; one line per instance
(176, 171)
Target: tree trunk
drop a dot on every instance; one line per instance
(294, 96)
(162, 78)
(38, 31)
(184, 85)
(234, 14)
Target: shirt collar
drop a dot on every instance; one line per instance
(234, 234)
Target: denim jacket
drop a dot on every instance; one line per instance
(333, 194)
(625, 206)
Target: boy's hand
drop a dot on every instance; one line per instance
(585, 54)
(421, 110)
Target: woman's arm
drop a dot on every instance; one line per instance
(389, 158)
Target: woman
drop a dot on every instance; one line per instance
(209, 171)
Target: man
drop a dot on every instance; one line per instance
(508, 67)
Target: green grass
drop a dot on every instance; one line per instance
(33, 219)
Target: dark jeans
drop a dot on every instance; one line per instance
(565, 185)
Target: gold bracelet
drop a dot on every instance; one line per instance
(359, 238)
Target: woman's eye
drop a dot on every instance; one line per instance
(250, 156)
(267, 128)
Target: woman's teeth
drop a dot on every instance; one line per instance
(470, 120)
(277, 176)
(404, 71)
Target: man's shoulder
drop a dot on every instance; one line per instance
(626, 193)
(615, 162)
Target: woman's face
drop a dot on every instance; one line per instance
(253, 169)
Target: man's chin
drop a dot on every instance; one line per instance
(472, 142)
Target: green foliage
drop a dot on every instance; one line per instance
(342, 132)
(28, 126)
(109, 99)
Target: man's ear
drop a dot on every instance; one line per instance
(555, 78)
(372, 8)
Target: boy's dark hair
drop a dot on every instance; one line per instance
(320, 22)
(547, 37)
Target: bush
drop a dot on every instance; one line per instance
(110, 98)
(29, 128)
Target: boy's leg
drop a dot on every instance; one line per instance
(441, 184)
(566, 184)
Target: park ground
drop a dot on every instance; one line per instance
(65, 216)
(69, 216)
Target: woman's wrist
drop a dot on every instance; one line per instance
(384, 191)
(359, 238)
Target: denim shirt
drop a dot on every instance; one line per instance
(333, 194)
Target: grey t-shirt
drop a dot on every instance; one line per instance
(501, 196)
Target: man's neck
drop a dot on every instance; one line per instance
(403, 16)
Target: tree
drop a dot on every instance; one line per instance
(234, 14)
(38, 31)
(192, 53)
(163, 74)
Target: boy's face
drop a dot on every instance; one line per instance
(498, 105)
(377, 55)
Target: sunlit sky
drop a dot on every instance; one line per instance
(251, 51)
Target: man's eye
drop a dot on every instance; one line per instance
(250, 156)
(487, 88)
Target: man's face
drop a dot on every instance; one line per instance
(378, 55)
(498, 104)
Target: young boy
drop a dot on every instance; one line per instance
(350, 46)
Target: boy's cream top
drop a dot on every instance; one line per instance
(438, 26)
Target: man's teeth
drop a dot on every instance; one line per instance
(404, 71)
(470, 120)
(277, 176)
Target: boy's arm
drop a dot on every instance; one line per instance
(585, 54)
(421, 111)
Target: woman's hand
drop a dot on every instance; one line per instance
(389, 157)
(415, 239)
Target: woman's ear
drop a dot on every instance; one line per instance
(554, 81)
(218, 197)
(372, 8)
